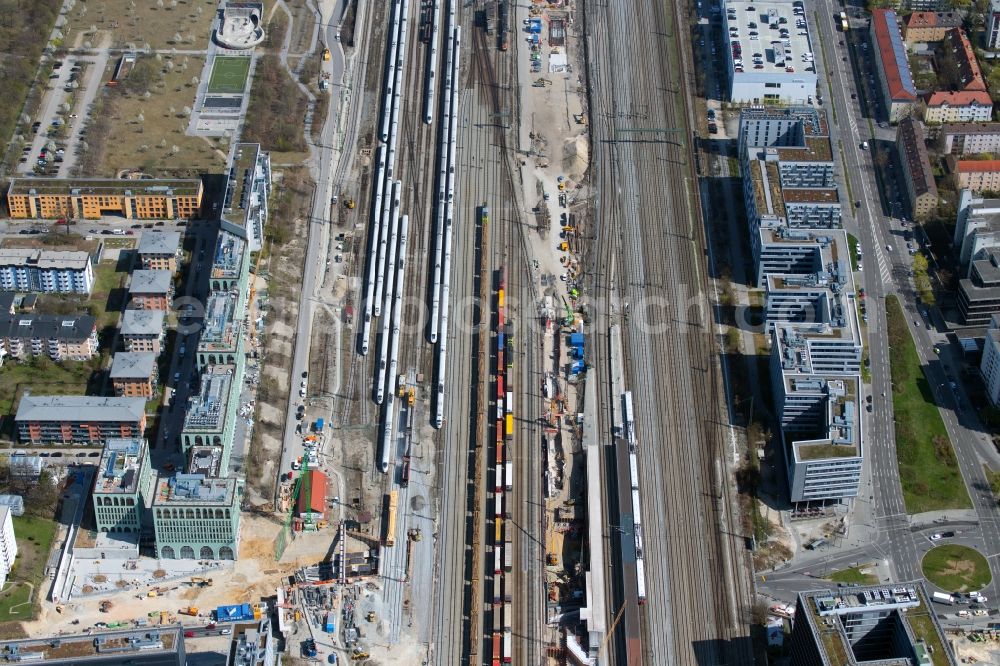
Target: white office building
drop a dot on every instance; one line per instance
(8, 544)
(770, 58)
(990, 365)
(977, 227)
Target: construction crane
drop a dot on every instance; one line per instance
(611, 631)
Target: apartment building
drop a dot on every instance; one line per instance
(78, 419)
(898, 92)
(70, 338)
(195, 517)
(993, 26)
(143, 330)
(979, 293)
(123, 487)
(8, 542)
(891, 623)
(46, 271)
(929, 27)
(977, 226)
(975, 175)
(92, 198)
(159, 250)
(244, 213)
(969, 138)
(134, 374)
(911, 152)
(963, 106)
(151, 290)
(970, 77)
(211, 415)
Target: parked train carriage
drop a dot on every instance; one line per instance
(498, 486)
(640, 577)
(633, 470)
(509, 427)
(498, 505)
(636, 516)
(497, 642)
(497, 593)
(506, 646)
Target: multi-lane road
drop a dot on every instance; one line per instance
(650, 255)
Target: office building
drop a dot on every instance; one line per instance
(993, 26)
(821, 433)
(69, 338)
(977, 227)
(134, 374)
(929, 27)
(221, 338)
(254, 644)
(162, 645)
(92, 198)
(979, 293)
(151, 290)
(159, 250)
(197, 517)
(895, 81)
(962, 106)
(969, 138)
(771, 54)
(823, 296)
(989, 366)
(244, 213)
(8, 542)
(893, 624)
(46, 271)
(789, 188)
(78, 419)
(143, 330)
(911, 152)
(211, 415)
(123, 489)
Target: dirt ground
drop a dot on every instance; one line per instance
(967, 652)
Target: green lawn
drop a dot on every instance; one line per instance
(853, 575)
(42, 377)
(34, 541)
(956, 568)
(928, 470)
(229, 74)
(852, 243)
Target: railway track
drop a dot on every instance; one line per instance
(691, 618)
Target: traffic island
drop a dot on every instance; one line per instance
(956, 568)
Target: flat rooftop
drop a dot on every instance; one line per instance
(241, 180)
(906, 601)
(205, 460)
(105, 186)
(44, 259)
(195, 489)
(120, 467)
(151, 282)
(220, 329)
(757, 27)
(146, 646)
(228, 256)
(143, 322)
(133, 365)
(80, 408)
(207, 411)
(159, 242)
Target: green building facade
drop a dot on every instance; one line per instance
(197, 517)
(124, 486)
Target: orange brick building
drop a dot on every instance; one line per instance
(146, 199)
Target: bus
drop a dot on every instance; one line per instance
(390, 524)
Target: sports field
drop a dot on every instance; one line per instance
(229, 74)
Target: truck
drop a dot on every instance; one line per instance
(237, 613)
(190, 610)
(319, 424)
(326, 54)
(942, 598)
(404, 476)
(331, 623)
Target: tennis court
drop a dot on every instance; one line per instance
(229, 74)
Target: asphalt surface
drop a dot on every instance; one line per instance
(647, 224)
